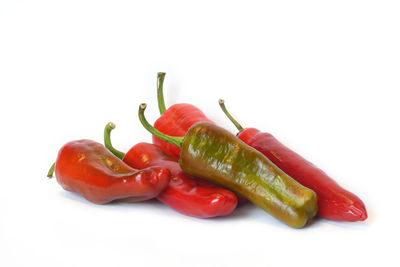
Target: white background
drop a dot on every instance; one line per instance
(322, 76)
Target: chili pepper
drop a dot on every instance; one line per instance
(334, 202)
(175, 120)
(213, 153)
(186, 194)
(89, 169)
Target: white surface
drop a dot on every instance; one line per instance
(322, 77)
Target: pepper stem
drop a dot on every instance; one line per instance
(175, 140)
(160, 93)
(222, 105)
(107, 140)
(51, 170)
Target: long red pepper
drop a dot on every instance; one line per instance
(89, 169)
(186, 194)
(175, 120)
(334, 202)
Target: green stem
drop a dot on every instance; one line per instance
(222, 105)
(160, 93)
(51, 171)
(175, 140)
(107, 140)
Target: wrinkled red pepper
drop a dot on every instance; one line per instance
(186, 194)
(89, 169)
(175, 120)
(334, 202)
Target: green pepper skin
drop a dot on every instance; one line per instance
(215, 154)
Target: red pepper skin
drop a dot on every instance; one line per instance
(186, 194)
(89, 169)
(175, 121)
(334, 202)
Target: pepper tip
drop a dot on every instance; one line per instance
(111, 125)
(143, 106)
(221, 101)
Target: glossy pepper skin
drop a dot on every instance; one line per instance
(89, 169)
(186, 194)
(175, 120)
(334, 202)
(213, 153)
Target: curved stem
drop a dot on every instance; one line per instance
(51, 170)
(107, 140)
(175, 140)
(222, 105)
(160, 93)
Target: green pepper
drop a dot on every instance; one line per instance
(213, 153)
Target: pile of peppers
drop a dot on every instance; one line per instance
(202, 170)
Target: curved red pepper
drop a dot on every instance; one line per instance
(174, 121)
(89, 169)
(334, 202)
(186, 194)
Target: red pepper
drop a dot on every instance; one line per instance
(89, 169)
(174, 121)
(186, 194)
(334, 202)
